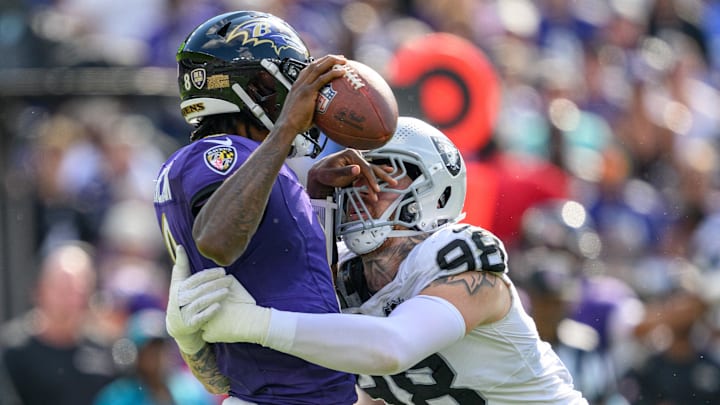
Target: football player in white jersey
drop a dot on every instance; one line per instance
(431, 316)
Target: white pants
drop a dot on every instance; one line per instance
(236, 401)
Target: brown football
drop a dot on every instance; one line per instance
(357, 110)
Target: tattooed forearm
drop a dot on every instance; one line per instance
(204, 367)
(473, 281)
(251, 191)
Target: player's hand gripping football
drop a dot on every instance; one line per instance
(192, 301)
(239, 319)
(299, 108)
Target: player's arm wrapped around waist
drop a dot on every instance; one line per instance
(352, 343)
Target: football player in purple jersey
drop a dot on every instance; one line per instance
(248, 85)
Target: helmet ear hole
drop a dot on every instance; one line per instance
(409, 212)
(444, 197)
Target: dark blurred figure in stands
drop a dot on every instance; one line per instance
(50, 355)
(679, 363)
(586, 314)
(155, 376)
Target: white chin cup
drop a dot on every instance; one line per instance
(366, 240)
(301, 147)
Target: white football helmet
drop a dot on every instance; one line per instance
(435, 198)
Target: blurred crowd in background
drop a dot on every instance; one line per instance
(598, 164)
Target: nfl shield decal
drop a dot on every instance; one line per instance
(221, 158)
(326, 95)
(198, 78)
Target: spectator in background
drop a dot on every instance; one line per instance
(677, 366)
(153, 378)
(59, 215)
(586, 314)
(83, 161)
(51, 355)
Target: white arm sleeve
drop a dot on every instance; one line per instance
(365, 344)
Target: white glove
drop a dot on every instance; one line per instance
(192, 301)
(239, 319)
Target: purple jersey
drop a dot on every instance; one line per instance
(284, 266)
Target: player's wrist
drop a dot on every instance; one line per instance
(191, 343)
(286, 131)
(280, 333)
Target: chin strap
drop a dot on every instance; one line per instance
(254, 107)
(274, 70)
(306, 144)
(303, 144)
(351, 285)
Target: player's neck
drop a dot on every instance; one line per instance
(251, 132)
(381, 265)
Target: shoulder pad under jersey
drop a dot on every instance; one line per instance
(461, 247)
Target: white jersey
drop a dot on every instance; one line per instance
(503, 362)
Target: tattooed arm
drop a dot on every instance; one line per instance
(480, 296)
(204, 367)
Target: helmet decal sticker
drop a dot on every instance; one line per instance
(218, 82)
(260, 32)
(198, 78)
(449, 153)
